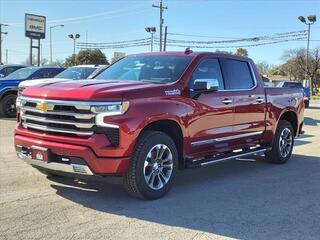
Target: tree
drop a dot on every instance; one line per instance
(43, 61)
(34, 60)
(58, 62)
(117, 56)
(88, 56)
(242, 52)
(263, 67)
(295, 65)
(222, 51)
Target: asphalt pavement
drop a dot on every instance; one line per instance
(240, 199)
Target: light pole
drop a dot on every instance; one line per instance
(60, 25)
(2, 25)
(74, 37)
(312, 19)
(152, 31)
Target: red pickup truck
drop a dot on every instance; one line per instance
(149, 115)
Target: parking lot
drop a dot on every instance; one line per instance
(243, 199)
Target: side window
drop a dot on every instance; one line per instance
(9, 70)
(53, 72)
(237, 74)
(38, 74)
(208, 69)
(44, 73)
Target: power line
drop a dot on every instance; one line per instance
(233, 46)
(117, 42)
(255, 39)
(128, 45)
(207, 36)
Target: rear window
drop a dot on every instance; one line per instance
(292, 85)
(237, 74)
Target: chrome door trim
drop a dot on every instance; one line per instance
(214, 140)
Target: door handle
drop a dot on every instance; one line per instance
(227, 101)
(259, 99)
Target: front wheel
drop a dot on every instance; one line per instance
(282, 143)
(152, 167)
(8, 106)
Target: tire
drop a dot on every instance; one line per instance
(282, 144)
(8, 106)
(146, 165)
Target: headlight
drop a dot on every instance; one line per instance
(106, 110)
(111, 109)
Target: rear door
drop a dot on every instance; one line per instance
(248, 101)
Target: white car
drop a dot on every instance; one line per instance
(75, 73)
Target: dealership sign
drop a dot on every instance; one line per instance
(35, 26)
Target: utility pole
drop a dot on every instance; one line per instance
(7, 56)
(1, 25)
(161, 8)
(165, 38)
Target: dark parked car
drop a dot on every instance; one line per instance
(9, 85)
(7, 69)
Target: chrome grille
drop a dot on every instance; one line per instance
(57, 117)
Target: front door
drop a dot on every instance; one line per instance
(213, 117)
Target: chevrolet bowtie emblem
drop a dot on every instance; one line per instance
(43, 107)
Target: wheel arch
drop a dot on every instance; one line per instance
(173, 129)
(292, 118)
(8, 92)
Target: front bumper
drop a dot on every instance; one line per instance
(82, 160)
(60, 167)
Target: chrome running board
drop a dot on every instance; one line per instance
(212, 160)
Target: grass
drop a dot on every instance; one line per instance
(317, 97)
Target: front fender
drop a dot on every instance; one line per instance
(143, 112)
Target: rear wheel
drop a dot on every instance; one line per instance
(152, 166)
(282, 143)
(8, 106)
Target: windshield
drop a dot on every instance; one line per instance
(76, 73)
(157, 69)
(21, 74)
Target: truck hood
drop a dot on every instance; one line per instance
(29, 83)
(93, 90)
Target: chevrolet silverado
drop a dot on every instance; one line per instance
(150, 114)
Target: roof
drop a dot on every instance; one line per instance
(45, 67)
(91, 65)
(15, 65)
(191, 53)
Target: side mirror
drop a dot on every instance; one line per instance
(204, 86)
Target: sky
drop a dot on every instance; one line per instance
(117, 20)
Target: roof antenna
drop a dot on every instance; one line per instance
(188, 51)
